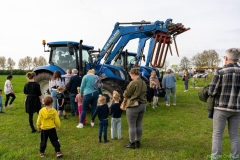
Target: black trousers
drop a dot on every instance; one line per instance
(30, 119)
(8, 97)
(52, 134)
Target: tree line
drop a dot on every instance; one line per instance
(208, 58)
(27, 63)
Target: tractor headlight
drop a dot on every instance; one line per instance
(122, 75)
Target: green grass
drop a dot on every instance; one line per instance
(181, 132)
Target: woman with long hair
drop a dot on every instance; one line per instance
(54, 83)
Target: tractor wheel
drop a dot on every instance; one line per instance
(108, 88)
(43, 80)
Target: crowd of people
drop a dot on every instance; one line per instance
(225, 88)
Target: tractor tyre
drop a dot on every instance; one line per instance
(108, 88)
(43, 80)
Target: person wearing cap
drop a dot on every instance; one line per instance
(169, 84)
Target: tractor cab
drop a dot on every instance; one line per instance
(61, 57)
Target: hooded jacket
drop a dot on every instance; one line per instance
(48, 119)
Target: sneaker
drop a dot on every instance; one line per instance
(80, 125)
(92, 124)
(2, 112)
(59, 154)
(41, 155)
(185, 91)
(153, 107)
(174, 104)
(10, 106)
(167, 104)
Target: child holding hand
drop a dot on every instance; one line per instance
(102, 111)
(47, 122)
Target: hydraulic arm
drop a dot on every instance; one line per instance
(161, 33)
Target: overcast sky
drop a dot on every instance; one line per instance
(215, 24)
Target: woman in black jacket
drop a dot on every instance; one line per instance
(33, 97)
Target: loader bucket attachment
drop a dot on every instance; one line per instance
(159, 52)
(162, 44)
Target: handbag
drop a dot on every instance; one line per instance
(124, 104)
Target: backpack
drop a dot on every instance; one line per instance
(98, 82)
(203, 93)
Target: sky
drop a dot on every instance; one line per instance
(215, 24)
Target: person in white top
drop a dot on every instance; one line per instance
(54, 83)
(8, 90)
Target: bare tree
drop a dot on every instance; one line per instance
(2, 62)
(39, 61)
(28, 61)
(208, 58)
(42, 61)
(185, 63)
(22, 64)
(198, 60)
(175, 67)
(213, 58)
(10, 63)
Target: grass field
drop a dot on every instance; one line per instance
(181, 132)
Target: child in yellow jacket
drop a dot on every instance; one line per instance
(47, 122)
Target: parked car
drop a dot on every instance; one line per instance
(198, 75)
(204, 75)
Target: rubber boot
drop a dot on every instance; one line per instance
(100, 139)
(105, 139)
(130, 145)
(138, 144)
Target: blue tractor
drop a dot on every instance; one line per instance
(68, 55)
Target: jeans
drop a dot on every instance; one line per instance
(155, 101)
(89, 99)
(103, 124)
(186, 84)
(134, 118)
(0, 107)
(165, 97)
(8, 97)
(116, 124)
(168, 92)
(219, 122)
(53, 95)
(73, 104)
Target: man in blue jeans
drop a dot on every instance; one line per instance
(225, 87)
(168, 83)
(74, 82)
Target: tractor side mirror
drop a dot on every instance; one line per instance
(70, 48)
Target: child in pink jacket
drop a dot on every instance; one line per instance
(78, 99)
